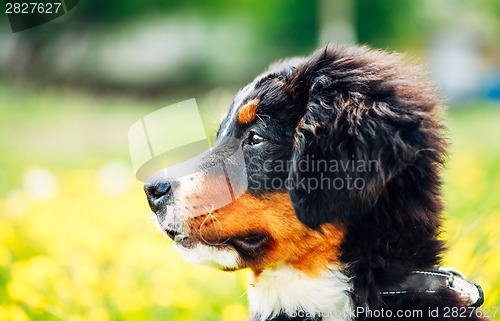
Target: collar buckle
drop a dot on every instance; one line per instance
(430, 281)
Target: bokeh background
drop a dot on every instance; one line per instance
(77, 241)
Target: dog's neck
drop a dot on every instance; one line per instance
(283, 290)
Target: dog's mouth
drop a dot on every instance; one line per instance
(180, 238)
(250, 242)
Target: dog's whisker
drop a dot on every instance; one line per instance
(177, 259)
(221, 230)
(212, 217)
(262, 115)
(203, 223)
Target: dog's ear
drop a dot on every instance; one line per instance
(351, 141)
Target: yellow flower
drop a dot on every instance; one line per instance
(21, 292)
(12, 313)
(467, 176)
(234, 312)
(4, 256)
(185, 297)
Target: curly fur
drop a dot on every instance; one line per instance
(342, 104)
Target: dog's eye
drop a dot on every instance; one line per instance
(254, 139)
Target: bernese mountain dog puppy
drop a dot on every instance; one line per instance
(340, 215)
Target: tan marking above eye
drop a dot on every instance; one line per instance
(248, 112)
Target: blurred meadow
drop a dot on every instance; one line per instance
(77, 239)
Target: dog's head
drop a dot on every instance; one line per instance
(325, 140)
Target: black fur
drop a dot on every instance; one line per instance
(358, 105)
(369, 107)
(348, 106)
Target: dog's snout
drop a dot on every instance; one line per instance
(158, 192)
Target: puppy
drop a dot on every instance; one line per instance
(336, 205)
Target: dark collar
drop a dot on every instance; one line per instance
(430, 281)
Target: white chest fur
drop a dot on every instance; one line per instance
(284, 289)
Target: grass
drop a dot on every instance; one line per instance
(77, 241)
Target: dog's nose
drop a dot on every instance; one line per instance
(158, 192)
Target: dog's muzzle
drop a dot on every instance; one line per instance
(201, 184)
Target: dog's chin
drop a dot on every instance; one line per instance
(221, 255)
(224, 258)
(195, 251)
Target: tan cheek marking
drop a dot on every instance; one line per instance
(306, 249)
(323, 250)
(248, 112)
